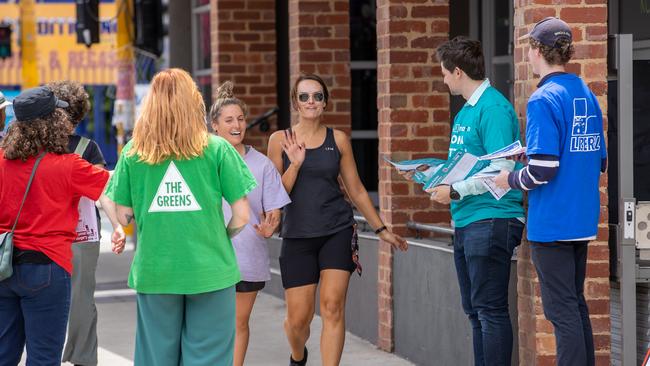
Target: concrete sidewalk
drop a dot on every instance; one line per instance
(268, 346)
(116, 309)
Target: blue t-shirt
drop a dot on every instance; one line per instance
(565, 120)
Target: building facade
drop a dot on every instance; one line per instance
(58, 56)
(378, 57)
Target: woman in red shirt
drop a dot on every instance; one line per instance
(35, 300)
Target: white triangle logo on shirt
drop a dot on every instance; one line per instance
(173, 195)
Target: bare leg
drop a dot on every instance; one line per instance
(244, 307)
(333, 291)
(300, 312)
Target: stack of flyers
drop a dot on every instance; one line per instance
(511, 150)
(431, 172)
(423, 169)
(459, 166)
(486, 174)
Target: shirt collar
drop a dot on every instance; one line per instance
(478, 92)
(545, 78)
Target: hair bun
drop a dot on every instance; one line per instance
(224, 91)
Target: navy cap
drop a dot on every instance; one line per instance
(36, 103)
(549, 31)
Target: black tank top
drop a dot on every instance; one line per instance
(317, 206)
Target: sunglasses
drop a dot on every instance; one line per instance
(318, 97)
(355, 250)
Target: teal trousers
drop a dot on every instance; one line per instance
(186, 330)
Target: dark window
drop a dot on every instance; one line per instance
(283, 88)
(363, 65)
(363, 30)
(364, 99)
(202, 49)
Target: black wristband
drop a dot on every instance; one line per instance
(453, 194)
(380, 229)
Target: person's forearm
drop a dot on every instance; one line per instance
(362, 202)
(235, 226)
(470, 187)
(110, 209)
(540, 170)
(289, 177)
(240, 217)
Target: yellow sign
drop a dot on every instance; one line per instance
(58, 55)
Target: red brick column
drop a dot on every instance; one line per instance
(588, 20)
(319, 42)
(413, 107)
(243, 51)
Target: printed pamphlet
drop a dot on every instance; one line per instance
(423, 169)
(511, 150)
(431, 172)
(460, 166)
(87, 230)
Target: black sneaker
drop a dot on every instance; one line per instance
(302, 362)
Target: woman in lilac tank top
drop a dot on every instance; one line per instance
(228, 115)
(318, 224)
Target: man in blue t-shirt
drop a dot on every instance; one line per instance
(486, 230)
(566, 153)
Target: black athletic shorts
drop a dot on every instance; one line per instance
(247, 286)
(302, 259)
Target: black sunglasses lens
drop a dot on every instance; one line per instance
(303, 97)
(319, 97)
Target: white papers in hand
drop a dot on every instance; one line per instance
(511, 150)
(496, 191)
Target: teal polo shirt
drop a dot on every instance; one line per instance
(486, 123)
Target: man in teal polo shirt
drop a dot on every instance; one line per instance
(486, 230)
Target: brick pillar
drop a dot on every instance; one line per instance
(244, 52)
(413, 108)
(319, 42)
(588, 20)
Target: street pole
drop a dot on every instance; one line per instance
(627, 266)
(124, 112)
(28, 44)
(124, 108)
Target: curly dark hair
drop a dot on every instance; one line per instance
(26, 139)
(559, 55)
(75, 94)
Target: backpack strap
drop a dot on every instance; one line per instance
(81, 146)
(29, 184)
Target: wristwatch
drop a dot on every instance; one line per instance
(453, 194)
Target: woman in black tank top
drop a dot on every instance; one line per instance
(317, 226)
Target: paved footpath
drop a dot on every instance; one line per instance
(116, 309)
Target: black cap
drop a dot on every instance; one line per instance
(36, 103)
(549, 31)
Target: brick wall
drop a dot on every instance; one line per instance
(588, 20)
(319, 42)
(244, 52)
(413, 108)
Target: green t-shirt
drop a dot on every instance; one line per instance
(183, 247)
(481, 127)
